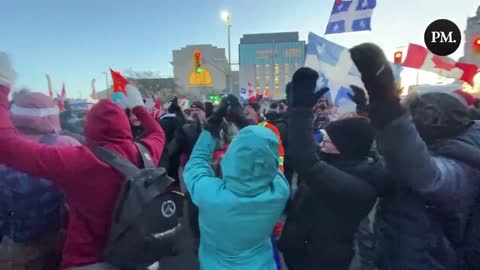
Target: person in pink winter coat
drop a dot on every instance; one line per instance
(90, 185)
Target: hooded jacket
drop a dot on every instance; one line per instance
(422, 222)
(238, 212)
(91, 186)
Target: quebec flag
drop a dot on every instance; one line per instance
(336, 70)
(351, 16)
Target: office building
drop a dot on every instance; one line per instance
(268, 61)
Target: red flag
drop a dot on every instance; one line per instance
(61, 98)
(119, 82)
(419, 57)
(338, 1)
(158, 103)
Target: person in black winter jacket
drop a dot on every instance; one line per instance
(429, 218)
(321, 235)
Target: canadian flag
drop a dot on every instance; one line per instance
(419, 57)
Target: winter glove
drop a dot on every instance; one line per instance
(302, 92)
(7, 74)
(174, 107)
(214, 123)
(236, 113)
(379, 81)
(132, 99)
(360, 98)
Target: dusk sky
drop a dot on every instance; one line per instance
(76, 40)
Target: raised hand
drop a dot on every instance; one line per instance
(360, 98)
(174, 107)
(133, 98)
(377, 75)
(214, 123)
(379, 81)
(236, 113)
(301, 91)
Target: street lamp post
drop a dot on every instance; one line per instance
(226, 17)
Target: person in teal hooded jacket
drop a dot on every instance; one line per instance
(238, 212)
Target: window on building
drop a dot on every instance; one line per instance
(277, 69)
(265, 54)
(277, 92)
(292, 52)
(277, 80)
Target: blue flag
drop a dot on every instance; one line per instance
(351, 16)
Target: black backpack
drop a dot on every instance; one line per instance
(146, 220)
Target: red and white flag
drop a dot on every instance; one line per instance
(61, 98)
(419, 57)
(64, 92)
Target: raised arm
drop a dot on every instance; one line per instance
(320, 176)
(198, 175)
(406, 154)
(155, 137)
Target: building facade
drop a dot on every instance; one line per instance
(267, 63)
(196, 82)
(472, 32)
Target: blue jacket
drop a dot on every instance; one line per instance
(237, 213)
(423, 217)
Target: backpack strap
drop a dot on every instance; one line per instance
(145, 155)
(119, 163)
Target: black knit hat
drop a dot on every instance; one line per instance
(439, 116)
(353, 137)
(255, 106)
(198, 105)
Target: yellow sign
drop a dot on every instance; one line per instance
(202, 78)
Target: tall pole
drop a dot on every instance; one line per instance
(229, 26)
(106, 79)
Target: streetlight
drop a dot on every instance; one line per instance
(225, 15)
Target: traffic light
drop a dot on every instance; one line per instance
(213, 97)
(198, 67)
(397, 58)
(476, 45)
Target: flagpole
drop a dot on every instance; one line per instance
(418, 76)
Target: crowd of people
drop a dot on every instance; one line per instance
(292, 185)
